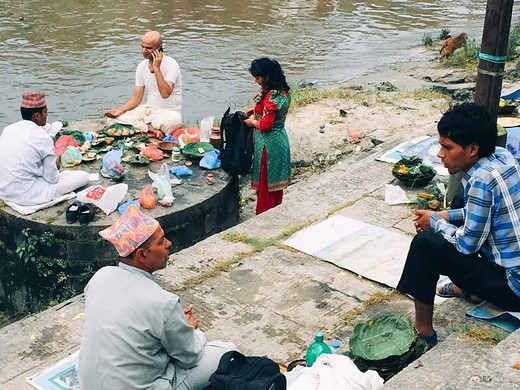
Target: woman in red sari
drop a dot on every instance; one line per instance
(272, 155)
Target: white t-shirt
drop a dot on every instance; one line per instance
(28, 164)
(172, 73)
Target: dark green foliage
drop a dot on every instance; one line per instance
(427, 40)
(445, 33)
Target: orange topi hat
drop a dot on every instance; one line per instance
(130, 230)
(33, 100)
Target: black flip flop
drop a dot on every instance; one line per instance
(86, 214)
(72, 212)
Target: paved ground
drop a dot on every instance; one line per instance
(269, 299)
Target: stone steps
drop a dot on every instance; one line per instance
(460, 362)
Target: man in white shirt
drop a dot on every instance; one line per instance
(161, 76)
(30, 170)
(136, 335)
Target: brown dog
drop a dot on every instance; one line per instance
(452, 44)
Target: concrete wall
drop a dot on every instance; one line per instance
(63, 257)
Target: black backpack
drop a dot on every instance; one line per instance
(236, 151)
(238, 372)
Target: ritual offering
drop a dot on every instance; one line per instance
(386, 344)
(119, 130)
(507, 106)
(168, 146)
(89, 156)
(197, 149)
(412, 173)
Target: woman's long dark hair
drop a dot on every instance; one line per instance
(272, 73)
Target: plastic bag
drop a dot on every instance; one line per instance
(205, 128)
(61, 144)
(122, 209)
(332, 372)
(395, 195)
(162, 182)
(112, 166)
(187, 135)
(106, 198)
(153, 153)
(181, 171)
(70, 157)
(147, 197)
(210, 160)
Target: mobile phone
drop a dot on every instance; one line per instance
(160, 49)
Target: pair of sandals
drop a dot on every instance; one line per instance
(83, 211)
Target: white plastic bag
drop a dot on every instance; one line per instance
(106, 199)
(163, 183)
(395, 195)
(205, 128)
(332, 372)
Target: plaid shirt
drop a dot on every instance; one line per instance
(490, 220)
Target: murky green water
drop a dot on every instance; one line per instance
(83, 53)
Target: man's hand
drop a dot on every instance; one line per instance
(421, 220)
(114, 112)
(157, 60)
(190, 318)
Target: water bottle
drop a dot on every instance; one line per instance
(316, 349)
(334, 347)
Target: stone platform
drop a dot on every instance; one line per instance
(199, 210)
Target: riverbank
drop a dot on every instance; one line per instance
(249, 287)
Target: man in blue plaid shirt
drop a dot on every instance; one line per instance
(477, 245)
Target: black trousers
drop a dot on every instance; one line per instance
(430, 255)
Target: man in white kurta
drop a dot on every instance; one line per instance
(29, 170)
(161, 76)
(136, 335)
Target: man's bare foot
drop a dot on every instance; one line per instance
(158, 133)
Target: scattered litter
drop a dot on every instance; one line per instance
(62, 315)
(238, 289)
(33, 337)
(395, 195)
(354, 136)
(78, 317)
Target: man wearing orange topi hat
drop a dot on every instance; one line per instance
(136, 335)
(30, 170)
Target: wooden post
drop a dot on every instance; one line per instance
(494, 47)
(490, 71)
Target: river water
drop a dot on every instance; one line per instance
(84, 53)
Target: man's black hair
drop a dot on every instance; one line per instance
(469, 123)
(27, 113)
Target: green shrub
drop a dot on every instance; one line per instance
(445, 33)
(512, 42)
(427, 40)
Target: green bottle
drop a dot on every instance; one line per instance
(316, 349)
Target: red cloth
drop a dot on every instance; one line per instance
(266, 200)
(33, 100)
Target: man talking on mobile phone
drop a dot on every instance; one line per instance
(161, 76)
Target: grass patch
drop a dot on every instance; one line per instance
(463, 57)
(378, 297)
(512, 42)
(228, 264)
(486, 334)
